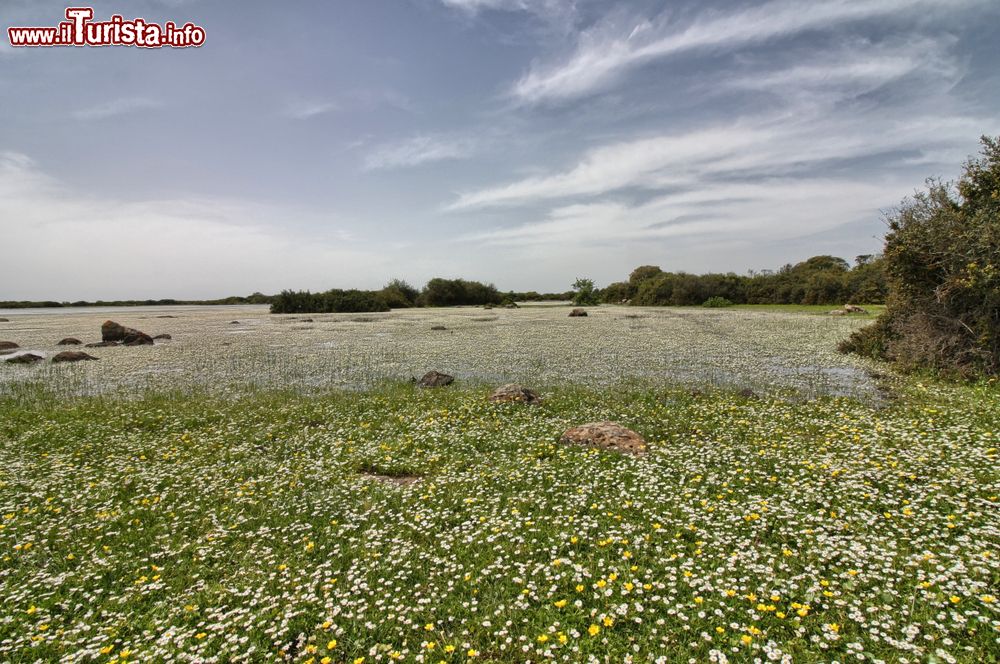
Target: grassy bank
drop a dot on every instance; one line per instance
(396, 523)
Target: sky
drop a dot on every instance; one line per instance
(338, 144)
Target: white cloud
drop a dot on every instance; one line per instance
(766, 211)
(303, 110)
(794, 141)
(611, 48)
(65, 245)
(545, 7)
(116, 107)
(418, 150)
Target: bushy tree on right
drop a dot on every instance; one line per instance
(942, 265)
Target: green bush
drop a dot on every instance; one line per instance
(942, 261)
(716, 302)
(331, 301)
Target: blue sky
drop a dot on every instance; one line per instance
(319, 144)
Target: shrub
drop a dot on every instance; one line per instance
(332, 301)
(399, 295)
(716, 302)
(454, 292)
(584, 293)
(942, 264)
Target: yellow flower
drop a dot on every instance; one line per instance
(833, 627)
(579, 588)
(359, 660)
(563, 638)
(746, 639)
(429, 626)
(955, 599)
(542, 638)
(608, 621)
(988, 599)
(331, 644)
(449, 648)
(593, 630)
(200, 635)
(325, 660)
(560, 604)
(472, 653)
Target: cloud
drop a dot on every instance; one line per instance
(303, 110)
(71, 245)
(418, 150)
(613, 47)
(543, 7)
(744, 210)
(855, 67)
(115, 108)
(815, 130)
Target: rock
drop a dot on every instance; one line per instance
(577, 313)
(103, 344)
(4, 320)
(137, 338)
(511, 305)
(166, 316)
(837, 312)
(307, 320)
(514, 392)
(854, 309)
(112, 331)
(435, 379)
(487, 306)
(165, 337)
(24, 358)
(69, 341)
(605, 436)
(234, 322)
(438, 327)
(71, 356)
(8, 345)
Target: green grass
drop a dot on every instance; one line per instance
(193, 526)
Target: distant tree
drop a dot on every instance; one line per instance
(616, 292)
(454, 292)
(584, 293)
(641, 274)
(400, 295)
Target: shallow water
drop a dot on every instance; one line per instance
(765, 351)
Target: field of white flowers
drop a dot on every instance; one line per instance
(394, 524)
(225, 348)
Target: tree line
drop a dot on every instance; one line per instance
(818, 280)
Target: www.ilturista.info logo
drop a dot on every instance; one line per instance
(79, 29)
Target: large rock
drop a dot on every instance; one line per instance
(24, 358)
(605, 436)
(69, 341)
(71, 356)
(112, 331)
(4, 320)
(435, 379)
(8, 345)
(514, 392)
(577, 313)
